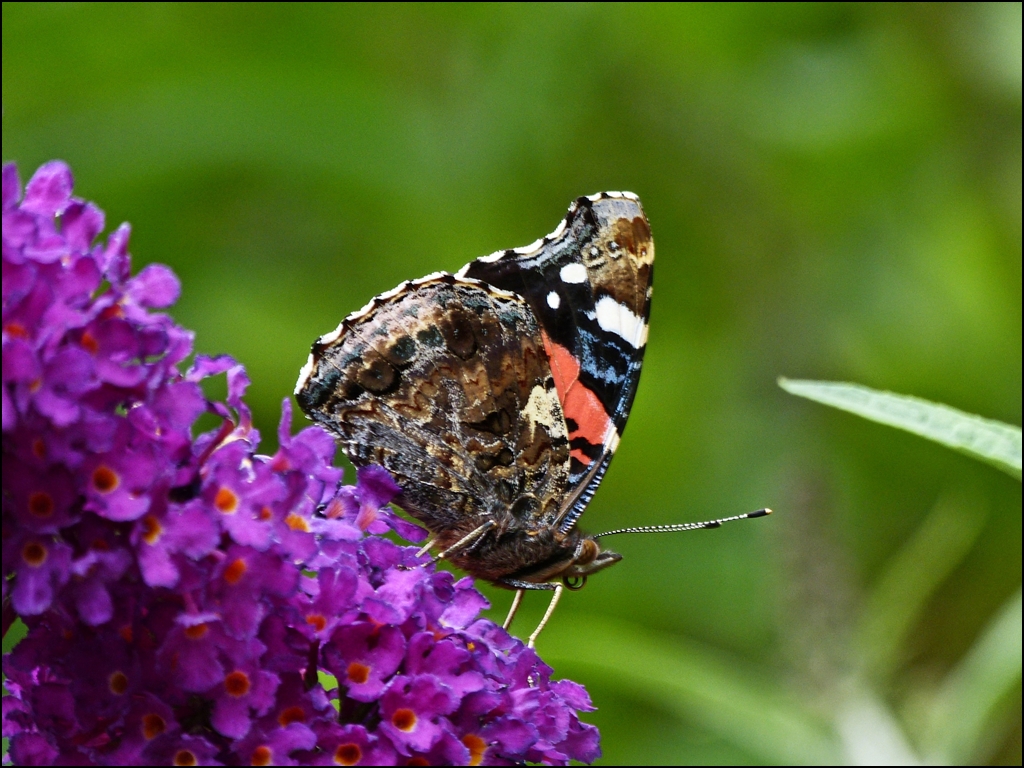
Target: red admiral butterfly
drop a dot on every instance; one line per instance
(496, 396)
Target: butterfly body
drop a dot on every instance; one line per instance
(496, 396)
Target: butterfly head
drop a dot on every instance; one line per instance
(573, 562)
(588, 558)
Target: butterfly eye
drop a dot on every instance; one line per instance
(574, 582)
(587, 552)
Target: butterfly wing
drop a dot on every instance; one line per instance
(589, 286)
(445, 382)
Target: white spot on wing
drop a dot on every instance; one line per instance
(365, 309)
(494, 291)
(503, 294)
(333, 336)
(618, 319)
(611, 439)
(536, 245)
(543, 408)
(554, 300)
(573, 273)
(428, 278)
(611, 193)
(304, 373)
(394, 291)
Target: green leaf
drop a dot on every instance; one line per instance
(14, 635)
(911, 577)
(975, 704)
(740, 705)
(994, 442)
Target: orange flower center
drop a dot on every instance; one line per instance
(40, 504)
(33, 554)
(297, 523)
(348, 754)
(476, 747)
(151, 529)
(235, 570)
(292, 715)
(118, 682)
(262, 755)
(104, 479)
(16, 330)
(89, 343)
(404, 719)
(237, 683)
(226, 501)
(153, 725)
(358, 673)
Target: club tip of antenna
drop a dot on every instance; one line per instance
(761, 512)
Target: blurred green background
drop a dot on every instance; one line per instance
(835, 193)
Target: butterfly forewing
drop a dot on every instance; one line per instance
(589, 284)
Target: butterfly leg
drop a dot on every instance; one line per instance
(547, 615)
(471, 539)
(515, 607)
(426, 547)
(520, 587)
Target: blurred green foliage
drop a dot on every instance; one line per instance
(835, 193)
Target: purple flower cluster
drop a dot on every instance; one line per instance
(186, 598)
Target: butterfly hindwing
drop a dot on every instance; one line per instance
(446, 383)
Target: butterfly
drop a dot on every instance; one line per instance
(496, 396)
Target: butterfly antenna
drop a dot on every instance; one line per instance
(685, 526)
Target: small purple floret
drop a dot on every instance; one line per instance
(182, 592)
